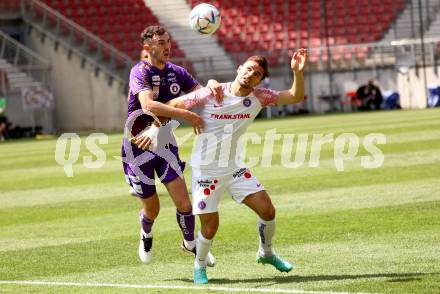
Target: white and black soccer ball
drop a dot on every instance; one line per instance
(204, 19)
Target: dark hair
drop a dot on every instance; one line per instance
(262, 61)
(150, 31)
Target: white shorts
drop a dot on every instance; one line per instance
(207, 191)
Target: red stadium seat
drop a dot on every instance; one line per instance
(250, 25)
(291, 44)
(111, 20)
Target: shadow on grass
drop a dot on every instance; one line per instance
(404, 280)
(395, 277)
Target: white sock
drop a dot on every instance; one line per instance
(266, 230)
(203, 247)
(190, 244)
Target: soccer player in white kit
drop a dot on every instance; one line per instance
(216, 163)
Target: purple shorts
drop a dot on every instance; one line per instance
(146, 188)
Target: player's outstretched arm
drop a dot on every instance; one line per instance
(296, 93)
(148, 105)
(178, 102)
(194, 99)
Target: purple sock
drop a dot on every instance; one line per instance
(146, 223)
(186, 222)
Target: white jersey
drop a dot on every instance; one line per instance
(218, 150)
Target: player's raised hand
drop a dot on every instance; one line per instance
(299, 60)
(216, 89)
(196, 121)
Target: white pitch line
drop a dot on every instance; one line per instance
(262, 290)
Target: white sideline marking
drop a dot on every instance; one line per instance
(263, 290)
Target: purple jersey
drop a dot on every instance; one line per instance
(166, 84)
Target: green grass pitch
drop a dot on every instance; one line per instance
(360, 230)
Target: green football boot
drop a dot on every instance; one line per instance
(276, 261)
(200, 275)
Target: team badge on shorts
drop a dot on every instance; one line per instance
(202, 204)
(247, 102)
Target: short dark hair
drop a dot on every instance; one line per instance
(150, 31)
(262, 61)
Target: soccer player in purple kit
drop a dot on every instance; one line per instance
(153, 82)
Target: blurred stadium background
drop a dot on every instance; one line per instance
(64, 64)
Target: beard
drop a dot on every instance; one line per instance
(244, 84)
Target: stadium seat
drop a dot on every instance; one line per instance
(251, 25)
(113, 21)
